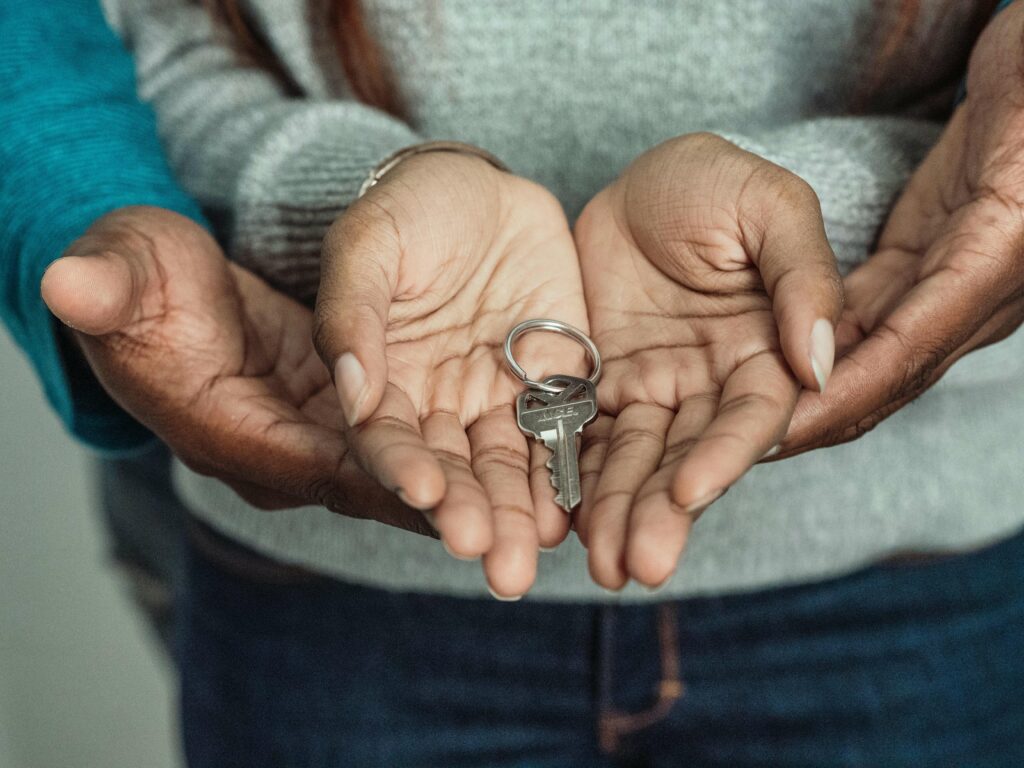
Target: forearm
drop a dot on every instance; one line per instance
(74, 145)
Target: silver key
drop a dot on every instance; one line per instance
(556, 419)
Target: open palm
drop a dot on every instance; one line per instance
(422, 279)
(947, 277)
(218, 364)
(705, 270)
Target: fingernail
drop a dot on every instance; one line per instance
(772, 451)
(823, 351)
(456, 555)
(400, 493)
(658, 587)
(350, 380)
(704, 501)
(503, 598)
(548, 549)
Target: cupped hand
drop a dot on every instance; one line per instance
(217, 364)
(948, 274)
(421, 281)
(712, 293)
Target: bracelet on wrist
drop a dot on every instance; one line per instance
(393, 160)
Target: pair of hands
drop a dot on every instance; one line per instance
(222, 368)
(704, 277)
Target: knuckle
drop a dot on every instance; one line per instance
(632, 441)
(858, 429)
(610, 500)
(919, 360)
(702, 141)
(324, 492)
(772, 192)
(395, 427)
(516, 514)
(335, 327)
(499, 457)
(791, 192)
(197, 463)
(678, 449)
(368, 226)
(837, 434)
(760, 402)
(781, 189)
(449, 458)
(832, 282)
(325, 331)
(257, 500)
(863, 426)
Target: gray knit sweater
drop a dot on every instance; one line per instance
(568, 93)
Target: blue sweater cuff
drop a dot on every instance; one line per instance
(75, 144)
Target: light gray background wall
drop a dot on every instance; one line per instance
(81, 685)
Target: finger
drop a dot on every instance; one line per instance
(756, 405)
(552, 520)
(500, 461)
(875, 288)
(897, 361)
(634, 452)
(1005, 322)
(96, 293)
(463, 518)
(360, 256)
(109, 278)
(288, 464)
(657, 527)
(374, 503)
(391, 448)
(802, 278)
(593, 449)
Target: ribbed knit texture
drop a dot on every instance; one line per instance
(568, 93)
(75, 143)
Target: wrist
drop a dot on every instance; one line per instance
(432, 150)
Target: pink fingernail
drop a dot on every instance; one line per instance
(504, 598)
(350, 381)
(456, 555)
(704, 501)
(425, 511)
(658, 587)
(823, 351)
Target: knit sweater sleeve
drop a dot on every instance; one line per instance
(75, 144)
(858, 165)
(271, 167)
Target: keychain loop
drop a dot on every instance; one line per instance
(557, 326)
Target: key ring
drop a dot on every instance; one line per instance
(558, 327)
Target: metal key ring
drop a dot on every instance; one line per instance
(558, 327)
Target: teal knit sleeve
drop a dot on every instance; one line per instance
(75, 144)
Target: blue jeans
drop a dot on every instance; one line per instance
(909, 665)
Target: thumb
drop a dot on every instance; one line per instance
(352, 306)
(800, 274)
(96, 293)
